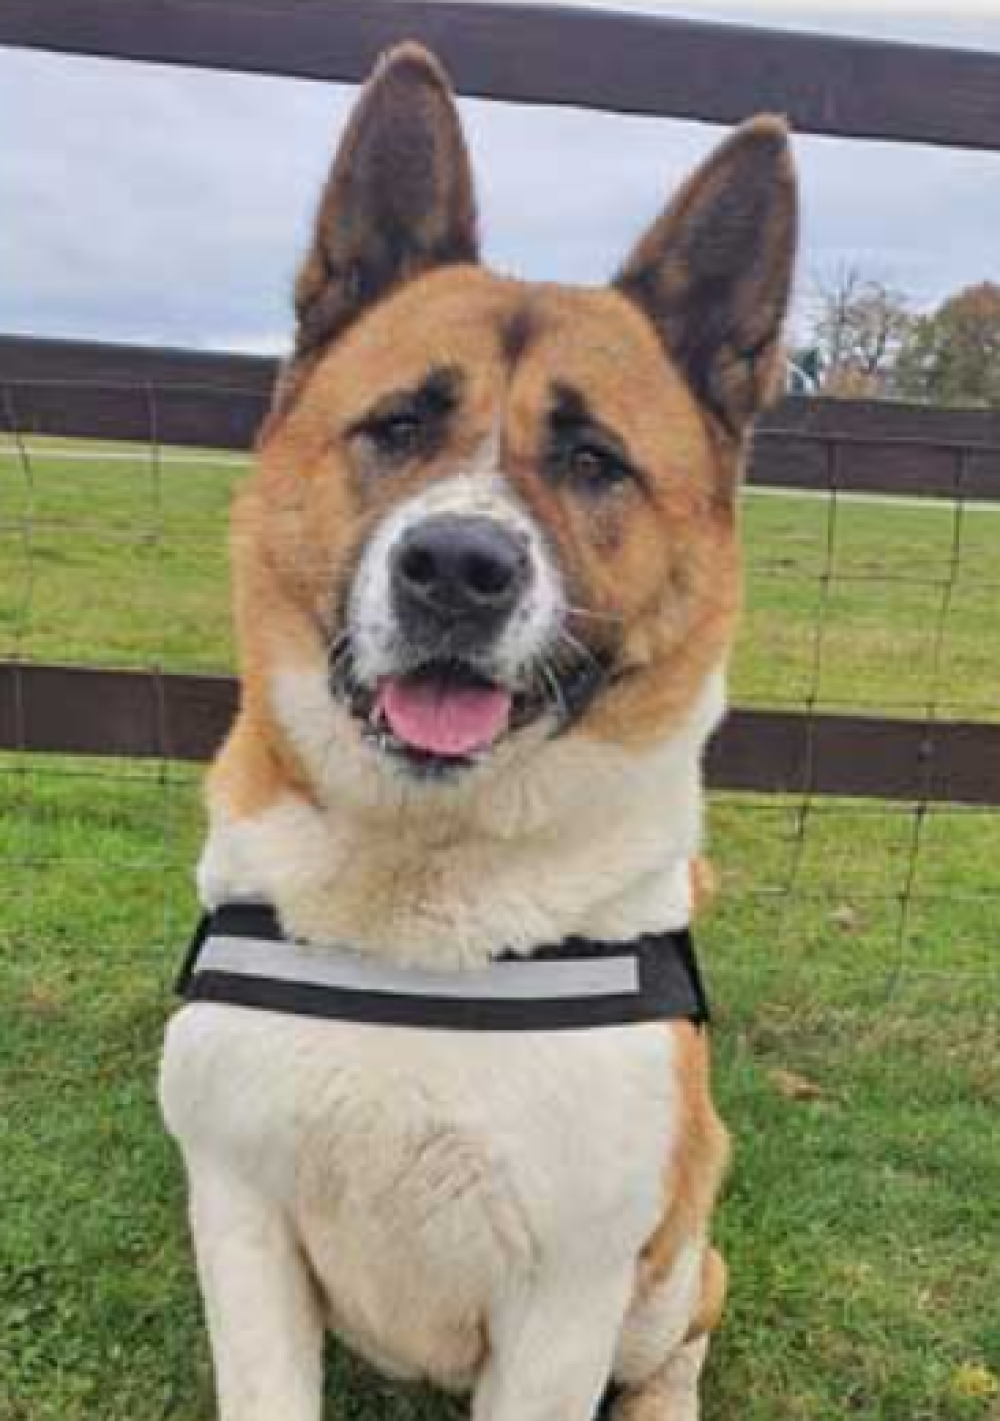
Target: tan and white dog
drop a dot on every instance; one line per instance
(487, 574)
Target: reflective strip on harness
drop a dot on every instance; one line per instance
(507, 980)
(240, 956)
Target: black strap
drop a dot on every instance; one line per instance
(670, 985)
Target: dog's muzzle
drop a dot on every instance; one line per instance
(455, 582)
(457, 638)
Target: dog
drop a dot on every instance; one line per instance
(487, 574)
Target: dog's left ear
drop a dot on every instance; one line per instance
(399, 200)
(714, 273)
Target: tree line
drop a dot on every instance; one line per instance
(864, 340)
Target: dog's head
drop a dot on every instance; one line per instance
(490, 515)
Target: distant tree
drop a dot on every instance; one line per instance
(860, 324)
(953, 355)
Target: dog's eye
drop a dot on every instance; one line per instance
(408, 424)
(397, 436)
(596, 468)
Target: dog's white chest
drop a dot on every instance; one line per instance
(426, 1170)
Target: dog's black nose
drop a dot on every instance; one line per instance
(459, 570)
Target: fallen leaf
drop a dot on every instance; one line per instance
(42, 1000)
(846, 917)
(795, 1087)
(975, 1382)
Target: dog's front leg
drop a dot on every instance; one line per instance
(551, 1349)
(263, 1317)
(663, 1347)
(671, 1394)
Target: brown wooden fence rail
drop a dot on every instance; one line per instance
(616, 61)
(619, 61)
(216, 401)
(75, 710)
(82, 711)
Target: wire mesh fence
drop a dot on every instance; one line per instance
(866, 667)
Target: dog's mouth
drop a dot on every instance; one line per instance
(444, 711)
(445, 715)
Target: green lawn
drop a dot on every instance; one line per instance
(861, 1224)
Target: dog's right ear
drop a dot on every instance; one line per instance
(399, 201)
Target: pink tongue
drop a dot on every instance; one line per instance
(444, 720)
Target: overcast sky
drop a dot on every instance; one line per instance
(168, 206)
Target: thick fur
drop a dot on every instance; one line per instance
(518, 1216)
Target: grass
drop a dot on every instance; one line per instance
(120, 564)
(858, 1050)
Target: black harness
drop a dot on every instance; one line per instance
(241, 956)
